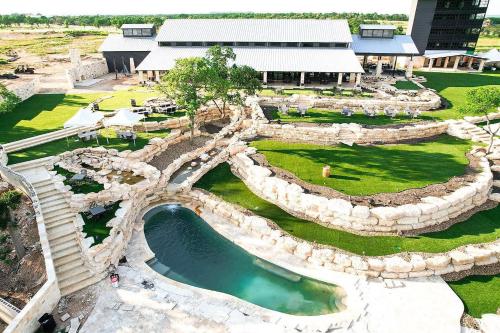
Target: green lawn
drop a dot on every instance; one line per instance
(82, 187)
(480, 294)
(334, 116)
(96, 227)
(406, 85)
(482, 227)
(45, 113)
(453, 86)
(366, 170)
(60, 146)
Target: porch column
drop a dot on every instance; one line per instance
(358, 79)
(302, 78)
(264, 78)
(469, 63)
(352, 78)
(378, 73)
(141, 76)
(409, 69)
(150, 75)
(132, 66)
(394, 62)
(455, 65)
(481, 65)
(438, 62)
(365, 59)
(431, 63)
(157, 76)
(446, 61)
(339, 81)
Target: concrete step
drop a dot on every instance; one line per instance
(53, 198)
(71, 288)
(66, 252)
(56, 214)
(72, 274)
(59, 262)
(60, 230)
(56, 223)
(40, 183)
(64, 246)
(31, 164)
(67, 238)
(45, 188)
(55, 207)
(49, 194)
(69, 266)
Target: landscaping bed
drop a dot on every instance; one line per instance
(96, 227)
(368, 170)
(482, 227)
(82, 187)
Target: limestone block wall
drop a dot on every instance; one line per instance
(349, 133)
(90, 69)
(339, 213)
(392, 266)
(424, 101)
(26, 89)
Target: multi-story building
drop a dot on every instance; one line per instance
(447, 25)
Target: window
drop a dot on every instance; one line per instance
(341, 45)
(180, 44)
(289, 44)
(472, 45)
(146, 32)
(137, 32)
(211, 43)
(480, 16)
(388, 33)
(196, 44)
(307, 44)
(367, 33)
(378, 33)
(275, 44)
(165, 44)
(227, 44)
(259, 44)
(242, 44)
(127, 32)
(324, 44)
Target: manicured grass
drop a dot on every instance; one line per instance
(453, 86)
(406, 85)
(366, 170)
(82, 187)
(482, 227)
(96, 227)
(480, 294)
(161, 117)
(60, 146)
(334, 116)
(45, 113)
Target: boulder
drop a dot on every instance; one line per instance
(460, 258)
(438, 262)
(375, 264)
(397, 265)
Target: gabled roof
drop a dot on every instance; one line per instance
(492, 55)
(329, 60)
(444, 54)
(399, 45)
(138, 26)
(118, 43)
(255, 30)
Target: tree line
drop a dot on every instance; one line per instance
(354, 19)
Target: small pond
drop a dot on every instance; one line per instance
(188, 250)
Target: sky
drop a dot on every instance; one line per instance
(122, 7)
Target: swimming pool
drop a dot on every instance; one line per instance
(188, 250)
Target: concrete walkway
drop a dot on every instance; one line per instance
(417, 305)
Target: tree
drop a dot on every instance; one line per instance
(480, 101)
(8, 100)
(185, 84)
(9, 201)
(226, 81)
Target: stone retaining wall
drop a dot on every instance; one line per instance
(392, 266)
(425, 101)
(91, 69)
(26, 89)
(339, 213)
(349, 133)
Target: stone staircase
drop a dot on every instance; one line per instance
(41, 139)
(7, 311)
(71, 271)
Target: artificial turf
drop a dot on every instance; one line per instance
(480, 294)
(406, 85)
(59, 146)
(96, 227)
(45, 113)
(481, 228)
(81, 187)
(367, 170)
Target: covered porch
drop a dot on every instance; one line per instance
(453, 61)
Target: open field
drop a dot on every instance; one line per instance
(367, 170)
(480, 228)
(487, 43)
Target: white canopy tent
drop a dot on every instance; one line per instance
(124, 118)
(84, 118)
(492, 56)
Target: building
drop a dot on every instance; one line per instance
(446, 25)
(285, 52)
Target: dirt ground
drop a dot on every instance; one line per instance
(21, 279)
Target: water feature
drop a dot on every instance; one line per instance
(188, 250)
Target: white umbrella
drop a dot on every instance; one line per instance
(85, 118)
(124, 118)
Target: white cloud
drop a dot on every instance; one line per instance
(91, 7)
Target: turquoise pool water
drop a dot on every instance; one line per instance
(188, 250)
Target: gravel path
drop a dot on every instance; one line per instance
(162, 161)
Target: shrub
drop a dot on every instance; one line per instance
(8, 200)
(8, 100)
(3, 61)
(80, 33)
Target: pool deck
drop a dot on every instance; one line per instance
(175, 307)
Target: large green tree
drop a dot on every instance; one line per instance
(481, 101)
(185, 84)
(228, 83)
(8, 100)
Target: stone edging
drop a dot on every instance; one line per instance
(392, 266)
(341, 213)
